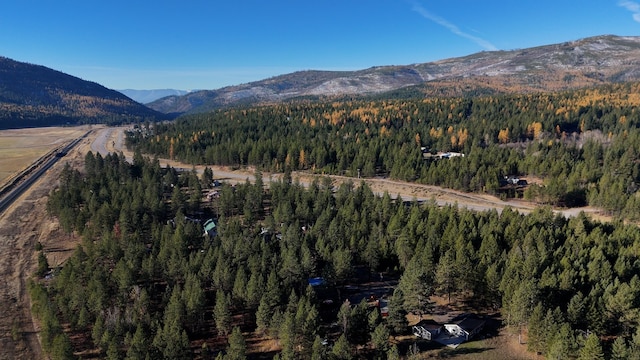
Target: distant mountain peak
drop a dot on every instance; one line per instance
(147, 96)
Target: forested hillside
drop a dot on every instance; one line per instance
(36, 96)
(576, 64)
(145, 283)
(582, 144)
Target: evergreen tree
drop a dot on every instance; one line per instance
(207, 177)
(592, 349)
(576, 311)
(537, 337)
(138, 348)
(318, 351)
(61, 348)
(263, 315)
(374, 319)
(397, 318)
(562, 345)
(171, 339)
(287, 336)
(222, 314)
(380, 339)
(310, 325)
(393, 353)
(113, 352)
(254, 290)
(344, 316)
(237, 346)
(342, 265)
(97, 331)
(416, 285)
(358, 329)
(194, 299)
(619, 349)
(43, 264)
(341, 349)
(240, 286)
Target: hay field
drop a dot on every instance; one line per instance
(21, 147)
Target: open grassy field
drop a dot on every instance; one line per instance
(21, 147)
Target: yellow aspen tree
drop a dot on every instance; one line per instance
(503, 136)
(287, 160)
(301, 159)
(623, 119)
(535, 129)
(463, 134)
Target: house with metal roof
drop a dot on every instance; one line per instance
(210, 228)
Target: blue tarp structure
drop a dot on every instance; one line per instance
(316, 281)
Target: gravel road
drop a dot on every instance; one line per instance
(112, 139)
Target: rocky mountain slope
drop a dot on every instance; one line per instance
(570, 65)
(34, 95)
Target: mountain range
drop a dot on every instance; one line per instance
(570, 65)
(34, 95)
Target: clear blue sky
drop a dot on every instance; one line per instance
(208, 44)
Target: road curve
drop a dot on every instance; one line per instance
(112, 138)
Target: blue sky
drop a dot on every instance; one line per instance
(208, 44)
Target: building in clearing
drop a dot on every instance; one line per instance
(427, 329)
(441, 155)
(467, 327)
(210, 228)
(464, 329)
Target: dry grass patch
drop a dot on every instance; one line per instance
(21, 147)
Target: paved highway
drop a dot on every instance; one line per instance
(39, 168)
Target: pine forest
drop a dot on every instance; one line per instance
(153, 279)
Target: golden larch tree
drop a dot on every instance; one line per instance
(301, 159)
(503, 136)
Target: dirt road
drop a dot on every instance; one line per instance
(111, 139)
